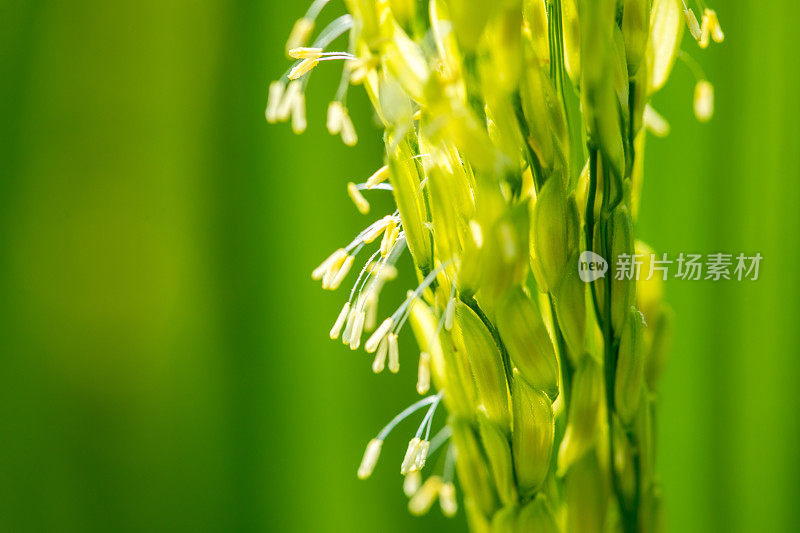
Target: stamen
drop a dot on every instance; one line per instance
(691, 22)
(340, 275)
(713, 22)
(349, 136)
(447, 499)
(411, 483)
(389, 238)
(377, 227)
(358, 328)
(704, 101)
(370, 459)
(425, 496)
(276, 89)
(358, 199)
(305, 52)
(424, 373)
(333, 271)
(299, 114)
(375, 339)
(410, 458)
(348, 328)
(380, 175)
(323, 267)
(394, 354)
(303, 67)
(337, 326)
(705, 31)
(301, 31)
(335, 114)
(371, 310)
(285, 108)
(380, 358)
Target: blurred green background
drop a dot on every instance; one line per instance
(164, 362)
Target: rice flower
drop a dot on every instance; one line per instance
(514, 137)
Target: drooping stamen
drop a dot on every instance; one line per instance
(424, 373)
(425, 496)
(370, 459)
(447, 499)
(323, 267)
(276, 90)
(394, 353)
(303, 27)
(412, 483)
(358, 199)
(379, 362)
(337, 326)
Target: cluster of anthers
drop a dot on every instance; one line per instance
(514, 134)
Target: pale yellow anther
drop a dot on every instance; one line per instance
(301, 31)
(276, 90)
(372, 343)
(287, 102)
(424, 373)
(348, 326)
(349, 136)
(384, 271)
(411, 483)
(377, 228)
(447, 499)
(379, 362)
(305, 52)
(714, 25)
(303, 67)
(358, 328)
(323, 267)
(341, 273)
(410, 458)
(299, 114)
(371, 310)
(703, 101)
(380, 175)
(333, 271)
(340, 320)
(692, 24)
(394, 353)
(705, 32)
(370, 458)
(425, 496)
(358, 199)
(421, 455)
(389, 238)
(334, 119)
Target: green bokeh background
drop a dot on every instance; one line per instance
(164, 362)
